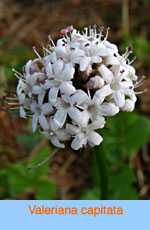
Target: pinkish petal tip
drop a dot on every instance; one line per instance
(70, 28)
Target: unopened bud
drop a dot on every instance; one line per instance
(128, 106)
(95, 82)
(69, 28)
(87, 72)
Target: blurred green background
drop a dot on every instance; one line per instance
(121, 168)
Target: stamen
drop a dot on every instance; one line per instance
(144, 91)
(133, 60)
(101, 29)
(15, 71)
(20, 78)
(89, 93)
(11, 98)
(44, 53)
(140, 82)
(47, 51)
(51, 40)
(107, 31)
(11, 103)
(80, 107)
(13, 108)
(129, 49)
(86, 31)
(37, 54)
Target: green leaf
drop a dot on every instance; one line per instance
(30, 140)
(45, 190)
(121, 184)
(91, 194)
(17, 50)
(18, 179)
(140, 46)
(127, 133)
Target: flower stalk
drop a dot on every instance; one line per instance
(103, 172)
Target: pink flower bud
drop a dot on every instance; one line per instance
(69, 28)
(95, 82)
(64, 31)
(87, 72)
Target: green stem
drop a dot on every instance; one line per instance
(102, 165)
(45, 160)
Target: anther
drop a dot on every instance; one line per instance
(34, 50)
(129, 49)
(101, 28)
(94, 27)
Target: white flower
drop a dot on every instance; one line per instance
(39, 114)
(59, 79)
(84, 135)
(93, 107)
(24, 103)
(117, 84)
(92, 54)
(79, 81)
(37, 90)
(128, 106)
(56, 136)
(66, 105)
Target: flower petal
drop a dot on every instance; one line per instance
(61, 51)
(128, 106)
(53, 57)
(67, 88)
(22, 112)
(37, 89)
(68, 73)
(106, 73)
(63, 135)
(27, 66)
(84, 62)
(21, 98)
(60, 118)
(58, 67)
(94, 138)
(97, 124)
(119, 98)
(75, 114)
(34, 121)
(96, 59)
(108, 109)
(73, 130)
(41, 97)
(79, 142)
(52, 95)
(102, 93)
(56, 142)
(112, 61)
(79, 97)
(49, 71)
(47, 108)
(43, 122)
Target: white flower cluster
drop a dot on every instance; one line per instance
(78, 82)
